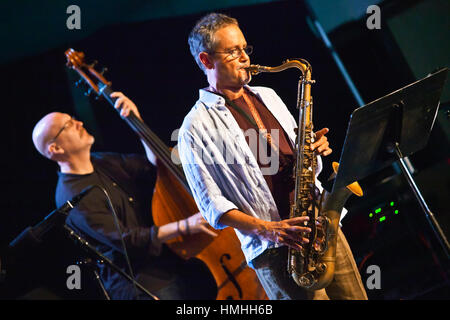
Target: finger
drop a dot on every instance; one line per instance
(327, 152)
(323, 140)
(297, 229)
(321, 132)
(125, 109)
(116, 94)
(322, 153)
(297, 237)
(297, 220)
(319, 142)
(119, 102)
(323, 147)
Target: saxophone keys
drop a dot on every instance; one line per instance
(321, 267)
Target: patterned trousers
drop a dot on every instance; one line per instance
(271, 269)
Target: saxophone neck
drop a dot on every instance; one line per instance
(300, 64)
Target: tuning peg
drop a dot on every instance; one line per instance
(93, 63)
(103, 70)
(88, 93)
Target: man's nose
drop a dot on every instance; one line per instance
(244, 58)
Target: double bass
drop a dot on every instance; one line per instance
(172, 201)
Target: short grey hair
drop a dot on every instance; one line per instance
(201, 37)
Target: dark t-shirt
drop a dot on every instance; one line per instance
(280, 184)
(129, 181)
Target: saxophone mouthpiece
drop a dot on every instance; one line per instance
(254, 69)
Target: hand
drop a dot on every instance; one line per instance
(287, 232)
(125, 105)
(321, 144)
(196, 224)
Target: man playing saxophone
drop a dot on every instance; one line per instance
(234, 181)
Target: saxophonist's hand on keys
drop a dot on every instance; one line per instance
(321, 144)
(288, 232)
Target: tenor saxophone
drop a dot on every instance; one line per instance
(313, 266)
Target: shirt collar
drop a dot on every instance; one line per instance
(211, 99)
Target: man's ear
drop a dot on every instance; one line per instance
(205, 59)
(53, 149)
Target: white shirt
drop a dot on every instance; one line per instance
(221, 169)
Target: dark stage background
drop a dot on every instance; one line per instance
(149, 60)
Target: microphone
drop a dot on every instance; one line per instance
(57, 216)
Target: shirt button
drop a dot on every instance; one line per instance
(114, 184)
(130, 199)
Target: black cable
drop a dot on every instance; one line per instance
(116, 222)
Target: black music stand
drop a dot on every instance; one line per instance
(390, 128)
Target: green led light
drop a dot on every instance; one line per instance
(396, 211)
(382, 218)
(392, 203)
(371, 214)
(378, 210)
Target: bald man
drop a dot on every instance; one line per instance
(129, 181)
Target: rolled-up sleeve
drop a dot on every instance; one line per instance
(199, 167)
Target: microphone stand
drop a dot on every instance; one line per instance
(90, 264)
(101, 257)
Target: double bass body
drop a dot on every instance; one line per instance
(222, 254)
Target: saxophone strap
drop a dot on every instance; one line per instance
(257, 118)
(256, 121)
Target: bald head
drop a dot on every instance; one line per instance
(46, 129)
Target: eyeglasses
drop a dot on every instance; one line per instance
(237, 52)
(65, 126)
